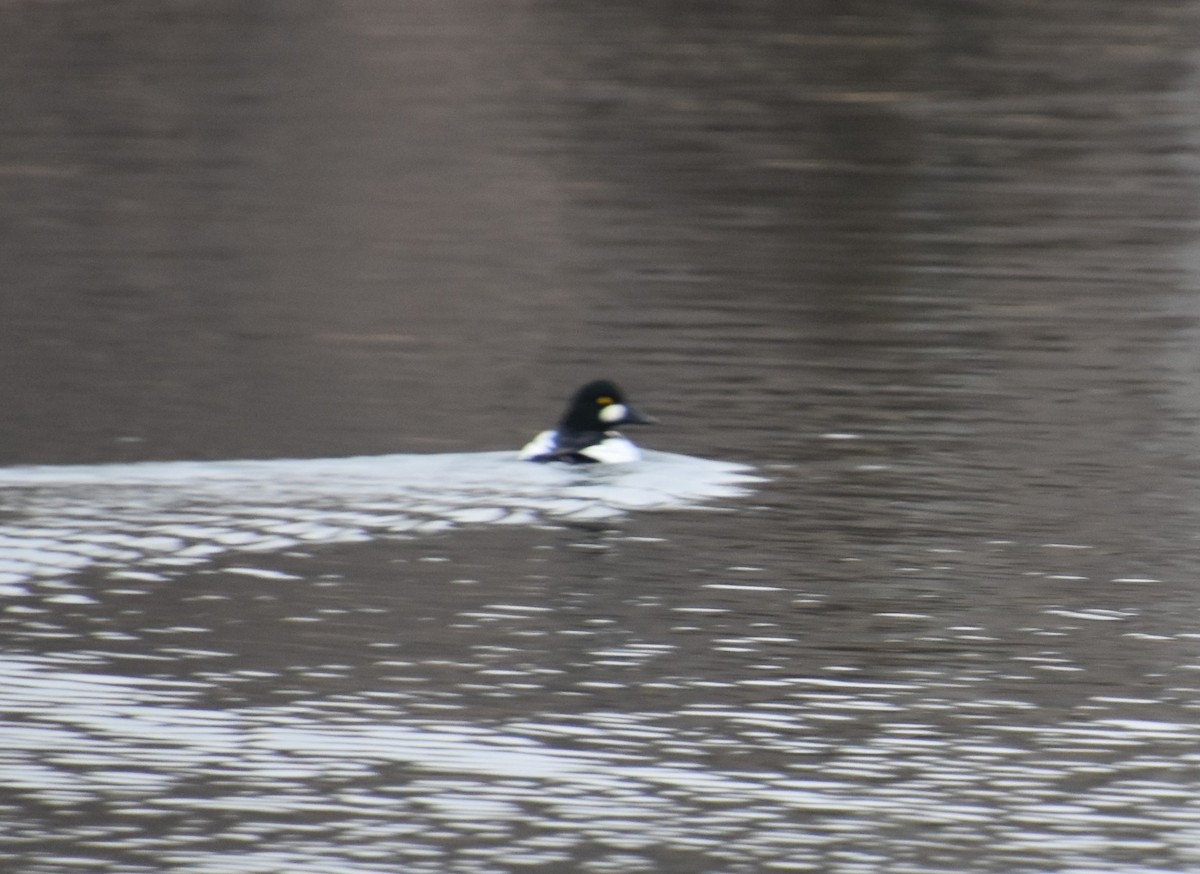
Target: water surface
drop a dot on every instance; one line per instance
(926, 271)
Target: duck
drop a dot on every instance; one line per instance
(586, 433)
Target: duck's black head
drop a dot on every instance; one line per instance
(600, 406)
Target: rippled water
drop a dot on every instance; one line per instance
(172, 515)
(906, 583)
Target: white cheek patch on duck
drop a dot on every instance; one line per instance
(612, 414)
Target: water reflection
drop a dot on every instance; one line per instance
(813, 773)
(178, 514)
(463, 700)
(927, 267)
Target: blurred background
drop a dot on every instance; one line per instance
(929, 266)
(317, 229)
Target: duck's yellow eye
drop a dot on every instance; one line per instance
(605, 401)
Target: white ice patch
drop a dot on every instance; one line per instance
(159, 517)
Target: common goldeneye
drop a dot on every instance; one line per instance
(584, 434)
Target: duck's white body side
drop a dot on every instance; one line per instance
(613, 449)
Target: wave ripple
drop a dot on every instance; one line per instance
(62, 520)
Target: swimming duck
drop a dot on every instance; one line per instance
(586, 434)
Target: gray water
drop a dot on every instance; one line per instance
(907, 581)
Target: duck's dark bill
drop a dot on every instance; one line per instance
(633, 417)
